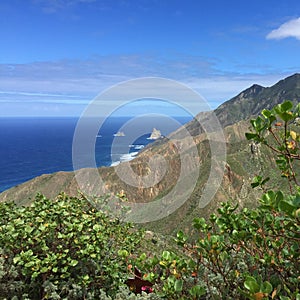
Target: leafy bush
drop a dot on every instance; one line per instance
(62, 248)
(252, 254)
(248, 254)
(277, 129)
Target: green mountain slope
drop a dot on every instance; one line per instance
(254, 99)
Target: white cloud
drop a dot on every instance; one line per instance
(58, 84)
(287, 29)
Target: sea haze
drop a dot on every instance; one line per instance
(30, 147)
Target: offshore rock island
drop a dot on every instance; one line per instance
(156, 134)
(119, 133)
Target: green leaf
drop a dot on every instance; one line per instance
(29, 264)
(286, 116)
(197, 291)
(44, 269)
(251, 136)
(286, 207)
(266, 113)
(251, 285)
(123, 253)
(257, 124)
(285, 106)
(16, 259)
(166, 255)
(143, 256)
(28, 229)
(73, 263)
(178, 285)
(39, 220)
(266, 287)
(265, 180)
(34, 275)
(181, 238)
(199, 223)
(86, 277)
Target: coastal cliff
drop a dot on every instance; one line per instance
(239, 166)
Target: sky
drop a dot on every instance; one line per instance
(56, 56)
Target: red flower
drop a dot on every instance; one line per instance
(147, 289)
(137, 284)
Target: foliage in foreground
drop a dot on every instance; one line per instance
(67, 249)
(62, 248)
(252, 254)
(248, 254)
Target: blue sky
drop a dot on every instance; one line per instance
(57, 55)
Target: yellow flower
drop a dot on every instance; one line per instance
(293, 135)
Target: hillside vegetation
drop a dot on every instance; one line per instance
(67, 248)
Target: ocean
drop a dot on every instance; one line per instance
(30, 147)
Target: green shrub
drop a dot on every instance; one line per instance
(64, 248)
(245, 254)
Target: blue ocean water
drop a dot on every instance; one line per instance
(30, 147)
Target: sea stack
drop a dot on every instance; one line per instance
(156, 134)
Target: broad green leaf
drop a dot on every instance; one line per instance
(28, 229)
(123, 253)
(86, 277)
(251, 136)
(199, 223)
(178, 285)
(266, 113)
(44, 269)
(29, 264)
(286, 116)
(286, 207)
(143, 256)
(166, 255)
(16, 259)
(266, 287)
(73, 263)
(285, 106)
(251, 285)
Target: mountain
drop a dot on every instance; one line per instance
(252, 101)
(243, 161)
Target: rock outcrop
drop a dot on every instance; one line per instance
(156, 134)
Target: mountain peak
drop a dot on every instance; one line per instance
(251, 101)
(289, 82)
(253, 90)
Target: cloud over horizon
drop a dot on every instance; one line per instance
(286, 30)
(51, 86)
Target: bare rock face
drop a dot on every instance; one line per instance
(156, 134)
